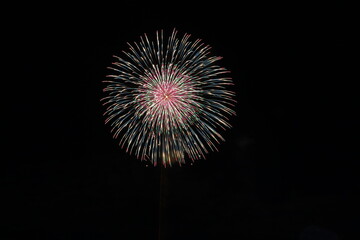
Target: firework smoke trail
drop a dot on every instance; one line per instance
(166, 98)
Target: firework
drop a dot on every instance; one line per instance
(167, 98)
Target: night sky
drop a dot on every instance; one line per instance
(287, 170)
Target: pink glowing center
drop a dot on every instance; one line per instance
(167, 99)
(168, 93)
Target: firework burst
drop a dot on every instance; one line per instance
(167, 98)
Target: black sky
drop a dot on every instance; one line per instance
(287, 170)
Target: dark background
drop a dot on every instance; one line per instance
(288, 168)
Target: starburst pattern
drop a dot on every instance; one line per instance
(167, 99)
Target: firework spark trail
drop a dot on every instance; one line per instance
(168, 98)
